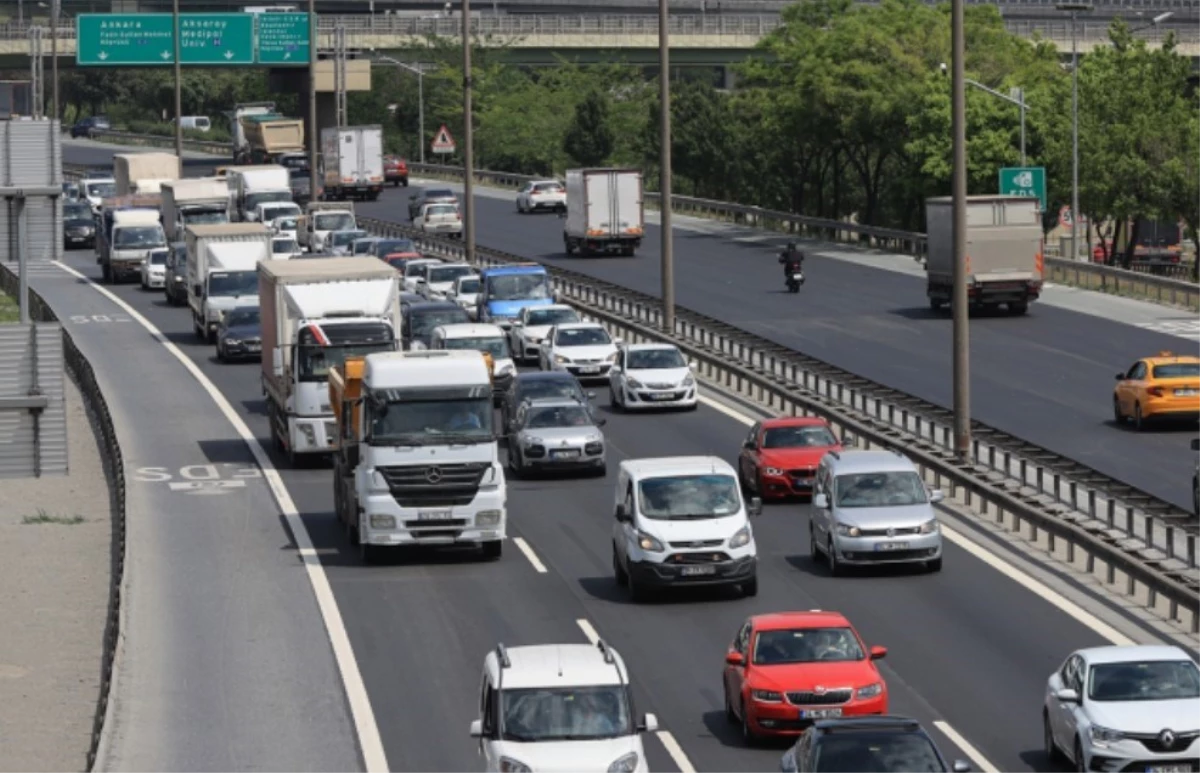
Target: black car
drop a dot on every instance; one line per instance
(429, 196)
(419, 320)
(866, 745)
(85, 127)
(175, 285)
(79, 226)
(239, 336)
(539, 385)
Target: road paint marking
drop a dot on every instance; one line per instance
(523, 546)
(676, 751)
(588, 630)
(370, 742)
(962, 743)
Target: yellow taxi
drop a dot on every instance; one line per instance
(1162, 387)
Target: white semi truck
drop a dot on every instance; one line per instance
(221, 265)
(605, 212)
(254, 185)
(323, 218)
(315, 313)
(202, 201)
(352, 162)
(142, 173)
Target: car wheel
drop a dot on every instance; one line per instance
(612, 399)
(637, 593)
(1139, 423)
(814, 552)
(220, 353)
(368, 553)
(618, 571)
(835, 566)
(1117, 416)
(1080, 766)
(1049, 746)
(750, 587)
(748, 736)
(730, 715)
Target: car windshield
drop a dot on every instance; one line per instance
(440, 209)
(565, 713)
(415, 422)
(558, 416)
(497, 347)
(685, 497)
(421, 323)
(281, 246)
(273, 212)
(468, 286)
(876, 752)
(441, 275)
(798, 437)
(100, 190)
(285, 223)
(1178, 370)
(655, 359)
(77, 212)
(880, 489)
(133, 236)
(393, 246)
(235, 283)
(414, 268)
(242, 318)
(1157, 680)
(538, 317)
(333, 221)
(344, 238)
(254, 199)
(158, 258)
(315, 361)
(549, 388)
(582, 336)
(806, 645)
(518, 287)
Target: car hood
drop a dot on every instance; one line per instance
(690, 531)
(660, 376)
(576, 353)
(244, 331)
(568, 756)
(792, 458)
(1146, 716)
(553, 436)
(513, 308)
(898, 517)
(809, 676)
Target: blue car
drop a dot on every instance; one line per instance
(505, 290)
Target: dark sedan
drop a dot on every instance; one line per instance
(421, 318)
(539, 385)
(430, 196)
(239, 336)
(79, 227)
(87, 126)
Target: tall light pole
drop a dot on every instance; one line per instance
(314, 187)
(55, 10)
(420, 73)
(468, 139)
(1074, 9)
(1017, 98)
(958, 297)
(178, 86)
(664, 142)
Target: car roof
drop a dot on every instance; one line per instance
(456, 264)
(795, 421)
(557, 665)
(854, 461)
(1134, 652)
(470, 329)
(438, 192)
(433, 306)
(578, 325)
(545, 182)
(814, 618)
(649, 347)
(680, 465)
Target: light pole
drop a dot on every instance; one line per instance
(1017, 98)
(1074, 9)
(314, 188)
(958, 296)
(54, 14)
(1157, 20)
(664, 141)
(420, 73)
(178, 87)
(468, 139)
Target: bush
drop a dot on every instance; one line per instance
(159, 129)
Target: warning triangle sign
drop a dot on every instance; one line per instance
(443, 142)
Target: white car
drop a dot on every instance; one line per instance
(414, 271)
(284, 247)
(466, 293)
(583, 349)
(559, 707)
(269, 211)
(154, 270)
(652, 376)
(529, 329)
(488, 339)
(438, 279)
(681, 521)
(286, 225)
(1124, 708)
(439, 219)
(542, 194)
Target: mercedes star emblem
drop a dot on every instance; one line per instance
(433, 475)
(891, 532)
(1167, 738)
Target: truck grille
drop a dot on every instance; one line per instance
(697, 558)
(827, 698)
(434, 485)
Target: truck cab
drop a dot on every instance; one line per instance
(128, 236)
(322, 219)
(268, 211)
(505, 290)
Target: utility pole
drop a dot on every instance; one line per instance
(664, 155)
(178, 85)
(313, 186)
(339, 74)
(55, 10)
(37, 96)
(1074, 9)
(958, 298)
(468, 139)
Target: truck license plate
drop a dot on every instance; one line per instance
(433, 515)
(1169, 769)
(885, 546)
(819, 713)
(697, 571)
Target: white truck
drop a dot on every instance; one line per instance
(605, 212)
(129, 232)
(352, 162)
(323, 218)
(221, 265)
(142, 173)
(314, 314)
(417, 460)
(1004, 260)
(254, 185)
(203, 201)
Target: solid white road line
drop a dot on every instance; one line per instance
(588, 630)
(369, 740)
(523, 546)
(962, 743)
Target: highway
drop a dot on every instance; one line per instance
(969, 647)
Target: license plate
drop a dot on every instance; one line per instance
(665, 396)
(254, 347)
(819, 713)
(798, 277)
(589, 370)
(697, 571)
(433, 515)
(564, 454)
(1185, 392)
(885, 546)
(1169, 769)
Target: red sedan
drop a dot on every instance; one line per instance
(395, 171)
(786, 670)
(780, 456)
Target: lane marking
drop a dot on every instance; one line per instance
(676, 751)
(370, 742)
(967, 749)
(588, 630)
(523, 546)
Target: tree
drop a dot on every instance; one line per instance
(589, 140)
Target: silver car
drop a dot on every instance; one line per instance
(556, 433)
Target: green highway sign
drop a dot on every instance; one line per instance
(124, 39)
(216, 38)
(283, 38)
(1024, 181)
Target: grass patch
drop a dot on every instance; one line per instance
(45, 517)
(9, 311)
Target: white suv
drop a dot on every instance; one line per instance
(652, 376)
(682, 521)
(559, 707)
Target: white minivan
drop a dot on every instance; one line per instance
(682, 521)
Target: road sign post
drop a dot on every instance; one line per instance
(1024, 181)
(283, 39)
(443, 142)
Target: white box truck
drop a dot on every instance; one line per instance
(254, 185)
(1004, 260)
(315, 313)
(129, 232)
(141, 173)
(321, 219)
(221, 265)
(202, 201)
(352, 162)
(605, 212)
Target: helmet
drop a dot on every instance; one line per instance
(791, 246)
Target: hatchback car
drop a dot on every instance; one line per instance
(583, 349)
(152, 273)
(342, 242)
(866, 745)
(542, 195)
(539, 385)
(465, 293)
(652, 376)
(444, 219)
(529, 329)
(175, 287)
(239, 336)
(556, 434)
(779, 457)
(438, 280)
(392, 249)
(87, 127)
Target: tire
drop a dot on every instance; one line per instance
(750, 588)
(1079, 765)
(492, 550)
(516, 463)
(814, 552)
(370, 554)
(1053, 754)
(1018, 309)
(1139, 423)
(612, 400)
(835, 566)
(1118, 417)
(934, 566)
(637, 593)
(730, 715)
(935, 304)
(749, 738)
(220, 353)
(741, 476)
(619, 574)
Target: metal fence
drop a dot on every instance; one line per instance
(33, 412)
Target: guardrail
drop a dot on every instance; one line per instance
(160, 141)
(781, 381)
(84, 377)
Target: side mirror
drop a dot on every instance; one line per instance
(755, 506)
(477, 728)
(849, 441)
(1120, 377)
(937, 495)
(618, 342)
(601, 422)
(961, 767)
(820, 501)
(735, 659)
(749, 445)
(692, 365)
(878, 653)
(1067, 696)
(622, 514)
(649, 724)
(518, 323)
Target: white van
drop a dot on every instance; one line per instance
(489, 339)
(681, 521)
(197, 122)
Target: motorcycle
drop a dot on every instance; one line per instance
(794, 280)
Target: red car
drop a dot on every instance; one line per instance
(779, 457)
(786, 670)
(395, 171)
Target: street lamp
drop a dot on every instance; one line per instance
(420, 73)
(1074, 9)
(54, 15)
(1015, 95)
(664, 149)
(1157, 20)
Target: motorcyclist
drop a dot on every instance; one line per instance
(792, 260)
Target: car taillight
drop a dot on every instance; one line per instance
(1156, 391)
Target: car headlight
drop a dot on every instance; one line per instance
(930, 526)
(648, 543)
(383, 521)
(558, 358)
(870, 691)
(509, 765)
(766, 696)
(1102, 735)
(688, 381)
(488, 517)
(772, 471)
(611, 358)
(505, 369)
(846, 530)
(741, 537)
(626, 764)
(233, 341)
(530, 440)
(634, 383)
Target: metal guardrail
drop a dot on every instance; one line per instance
(160, 141)
(760, 372)
(84, 377)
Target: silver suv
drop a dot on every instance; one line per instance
(871, 507)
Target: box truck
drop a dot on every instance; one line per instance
(352, 162)
(605, 212)
(221, 266)
(140, 173)
(129, 231)
(254, 185)
(203, 201)
(321, 219)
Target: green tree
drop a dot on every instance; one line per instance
(589, 140)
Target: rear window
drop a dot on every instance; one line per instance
(439, 193)
(1178, 370)
(548, 187)
(871, 751)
